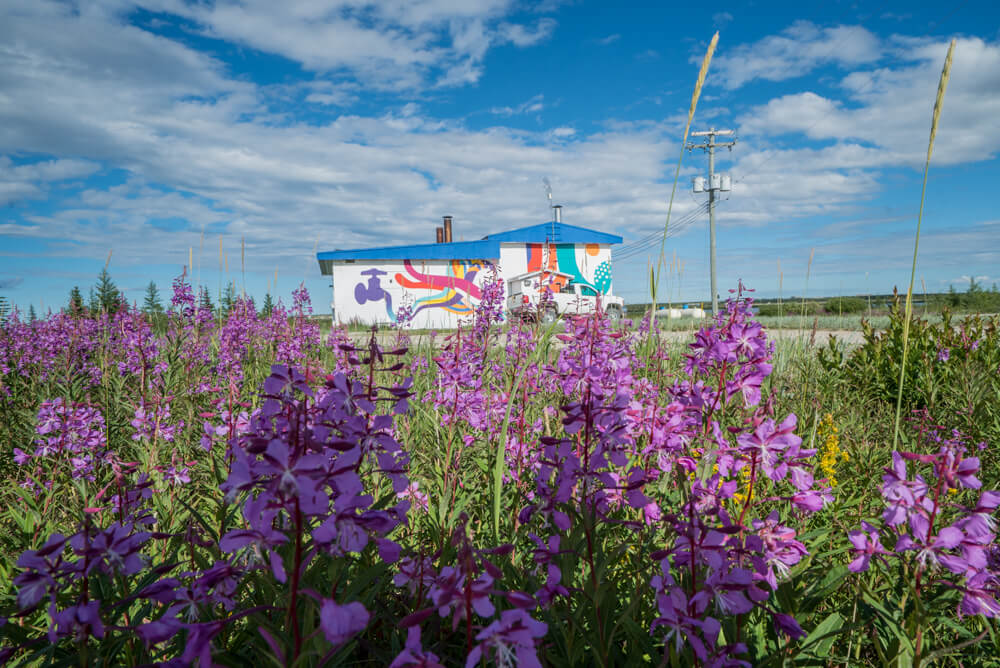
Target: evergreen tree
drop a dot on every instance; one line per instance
(954, 299)
(4, 310)
(205, 300)
(267, 306)
(152, 305)
(92, 304)
(108, 296)
(75, 302)
(32, 317)
(228, 298)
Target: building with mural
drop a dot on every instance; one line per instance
(438, 285)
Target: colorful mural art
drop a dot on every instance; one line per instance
(566, 258)
(456, 289)
(373, 291)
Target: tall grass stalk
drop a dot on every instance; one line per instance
(942, 87)
(802, 313)
(243, 266)
(781, 278)
(923, 286)
(702, 73)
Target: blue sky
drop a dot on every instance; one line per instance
(152, 129)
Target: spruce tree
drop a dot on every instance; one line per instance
(32, 317)
(205, 301)
(267, 306)
(228, 299)
(108, 296)
(92, 304)
(152, 305)
(4, 310)
(75, 301)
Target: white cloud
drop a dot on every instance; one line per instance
(796, 51)
(610, 39)
(720, 19)
(890, 108)
(31, 180)
(533, 105)
(520, 35)
(391, 44)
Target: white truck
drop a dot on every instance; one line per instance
(526, 297)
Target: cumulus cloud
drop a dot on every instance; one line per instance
(889, 107)
(798, 50)
(393, 44)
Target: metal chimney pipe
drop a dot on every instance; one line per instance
(557, 213)
(447, 229)
(440, 234)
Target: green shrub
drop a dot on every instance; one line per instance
(952, 369)
(839, 305)
(791, 307)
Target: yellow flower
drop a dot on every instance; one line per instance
(831, 453)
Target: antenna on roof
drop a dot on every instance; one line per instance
(548, 193)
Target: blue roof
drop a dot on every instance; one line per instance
(559, 233)
(488, 248)
(456, 250)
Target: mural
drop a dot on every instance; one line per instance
(374, 292)
(459, 279)
(456, 288)
(572, 259)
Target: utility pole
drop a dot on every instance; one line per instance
(715, 182)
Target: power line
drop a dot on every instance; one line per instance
(645, 243)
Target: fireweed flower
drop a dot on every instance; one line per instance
(340, 622)
(151, 422)
(952, 542)
(512, 640)
(72, 434)
(414, 655)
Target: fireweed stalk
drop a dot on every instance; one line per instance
(613, 463)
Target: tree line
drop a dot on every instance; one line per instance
(105, 297)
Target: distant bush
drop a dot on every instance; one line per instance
(787, 308)
(839, 305)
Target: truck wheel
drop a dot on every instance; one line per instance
(548, 316)
(614, 313)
